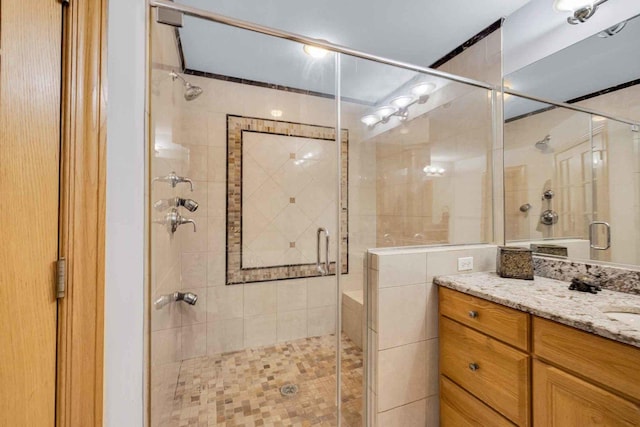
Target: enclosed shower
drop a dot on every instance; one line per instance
(276, 162)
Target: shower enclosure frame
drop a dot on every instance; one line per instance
(213, 17)
(497, 110)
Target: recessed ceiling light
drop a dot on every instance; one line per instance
(276, 113)
(314, 51)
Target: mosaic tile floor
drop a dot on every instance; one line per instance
(243, 388)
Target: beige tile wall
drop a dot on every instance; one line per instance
(232, 317)
(402, 329)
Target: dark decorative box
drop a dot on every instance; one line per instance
(514, 263)
(543, 248)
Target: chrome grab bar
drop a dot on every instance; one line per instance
(591, 233)
(323, 270)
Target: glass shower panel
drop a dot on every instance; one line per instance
(615, 143)
(549, 181)
(421, 152)
(425, 149)
(245, 228)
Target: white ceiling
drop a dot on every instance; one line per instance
(415, 31)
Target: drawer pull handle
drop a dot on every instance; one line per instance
(474, 366)
(473, 314)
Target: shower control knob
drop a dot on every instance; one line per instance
(172, 220)
(174, 180)
(548, 195)
(549, 217)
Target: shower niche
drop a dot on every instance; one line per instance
(279, 195)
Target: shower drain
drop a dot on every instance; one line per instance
(289, 390)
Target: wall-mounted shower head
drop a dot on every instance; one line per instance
(543, 144)
(188, 297)
(191, 92)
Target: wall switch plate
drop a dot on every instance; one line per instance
(465, 264)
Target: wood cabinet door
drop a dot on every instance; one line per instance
(30, 83)
(562, 400)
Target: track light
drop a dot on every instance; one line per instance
(399, 105)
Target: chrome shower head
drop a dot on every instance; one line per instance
(191, 92)
(543, 144)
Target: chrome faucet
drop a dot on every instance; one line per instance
(174, 180)
(188, 204)
(172, 220)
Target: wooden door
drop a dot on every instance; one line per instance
(30, 82)
(562, 400)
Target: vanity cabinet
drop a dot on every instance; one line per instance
(561, 399)
(484, 351)
(581, 379)
(500, 366)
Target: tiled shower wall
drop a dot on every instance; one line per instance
(190, 139)
(231, 317)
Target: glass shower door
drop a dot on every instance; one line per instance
(248, 228)
(615, 230)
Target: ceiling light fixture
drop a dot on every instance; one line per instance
(276, 113)
(370, 119)
(314, 51)
(423, 89)
(402, 101)
(399, 106)
(433, 170)
(582, 9)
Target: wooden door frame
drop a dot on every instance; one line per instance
(79, 388)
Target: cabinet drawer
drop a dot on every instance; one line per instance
(458, 408)
(610, 363)
(494, 372)
(560, 399)
(503, 323)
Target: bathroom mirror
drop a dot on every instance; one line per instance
(572, 186)
(280, 192)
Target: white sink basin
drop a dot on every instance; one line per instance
(627, 315)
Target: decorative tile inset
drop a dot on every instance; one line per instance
(281, 158)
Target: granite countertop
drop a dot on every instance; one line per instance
(552, 299)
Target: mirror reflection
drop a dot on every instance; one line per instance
(560, 181)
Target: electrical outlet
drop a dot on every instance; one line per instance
(465, 264)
